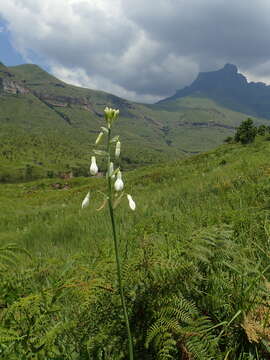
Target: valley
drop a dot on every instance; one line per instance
(48, 126)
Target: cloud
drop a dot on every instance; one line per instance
(141, 50)
(79, 77)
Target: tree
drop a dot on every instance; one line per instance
(262, 130)
(246, 132)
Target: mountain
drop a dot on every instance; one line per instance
(230, 89)
(48, 127)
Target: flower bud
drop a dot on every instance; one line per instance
(110, 115)
(117, 149)
(93, 166)
(111, 169)
(131, 202)
(119, 185)
(85, 202)
(99, 138)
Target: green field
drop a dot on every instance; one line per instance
(195, 259)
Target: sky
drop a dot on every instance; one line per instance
(142, 50)
(8, 54)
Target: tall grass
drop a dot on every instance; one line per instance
(200, 235)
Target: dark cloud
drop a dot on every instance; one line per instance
(142, 50)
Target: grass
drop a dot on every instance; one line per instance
(195, 253)
(222, 180)
(177, 202)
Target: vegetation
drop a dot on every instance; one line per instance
(194, 255)
(195, 263)
(246, 132)
(48, 127)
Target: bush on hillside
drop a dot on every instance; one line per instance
(262, 129)
(246, 132)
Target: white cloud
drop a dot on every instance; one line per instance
(141, 50)
(79, 77)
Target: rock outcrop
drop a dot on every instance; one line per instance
(8, 84)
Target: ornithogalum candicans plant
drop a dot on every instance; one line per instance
(115, 186)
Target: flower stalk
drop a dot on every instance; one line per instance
(110, 116)
(116, 248)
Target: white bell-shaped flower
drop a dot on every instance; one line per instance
(119, 185)
(93, 166)
(85, 202)
(131, 202)
(117, 149)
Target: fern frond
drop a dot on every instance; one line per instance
(9, 256)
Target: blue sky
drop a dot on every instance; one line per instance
(8, 55)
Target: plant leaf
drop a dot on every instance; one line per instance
(104, 129)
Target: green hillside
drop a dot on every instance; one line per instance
(195, 262)
(47, 126)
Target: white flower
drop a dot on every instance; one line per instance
(131, 202)
(85, 202)
(93, 166)
(99, 138)
(119, 185)
(117, 149)
(111, 170)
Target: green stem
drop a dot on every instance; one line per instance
(116, 250)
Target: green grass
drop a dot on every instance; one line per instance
(195, 253)
(56, 124)
(200, 231)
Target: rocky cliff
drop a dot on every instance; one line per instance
(231, 89)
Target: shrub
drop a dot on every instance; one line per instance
(246, 132)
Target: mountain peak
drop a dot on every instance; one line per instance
(230, 68)
(231, 89)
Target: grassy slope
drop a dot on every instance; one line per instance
(30, 116)
(163, 131)
(175, 202)
(201, 190)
